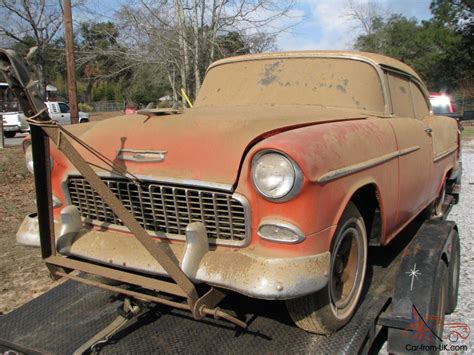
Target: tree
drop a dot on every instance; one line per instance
(428, 47)
(184, 36)
(95, 44)
(32, 22)
(440, 50)
(367, 17)
(457, 16)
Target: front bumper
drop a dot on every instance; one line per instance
(249, 271)
(13, 128)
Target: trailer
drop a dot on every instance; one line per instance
(409, 287)
(74, 317)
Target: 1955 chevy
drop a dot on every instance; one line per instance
(288, 166)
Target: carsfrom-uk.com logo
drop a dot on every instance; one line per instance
(422, 333)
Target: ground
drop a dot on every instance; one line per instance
(23, 275)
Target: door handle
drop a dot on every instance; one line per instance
(429, 131)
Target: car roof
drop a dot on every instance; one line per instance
(375, 58)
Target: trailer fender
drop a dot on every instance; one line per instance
(416, 315)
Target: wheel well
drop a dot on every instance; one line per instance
(366, 201)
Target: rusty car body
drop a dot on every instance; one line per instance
(289, 164)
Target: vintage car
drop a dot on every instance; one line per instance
(294, 163)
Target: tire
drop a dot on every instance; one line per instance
(435, 208)
(329, 309)
(453, 274)
(85, 120)
(438, 203)
(437, 309)
(9, 134)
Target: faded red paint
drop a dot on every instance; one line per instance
(217, 144)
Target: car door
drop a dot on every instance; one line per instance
(415, 149)
(65, 116)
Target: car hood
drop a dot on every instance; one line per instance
(202, 144)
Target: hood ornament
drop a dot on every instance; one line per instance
(141, 156)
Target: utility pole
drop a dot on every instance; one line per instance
(71, 73)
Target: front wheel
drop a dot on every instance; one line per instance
(329, 309)
(9, 134)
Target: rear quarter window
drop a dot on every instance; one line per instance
(419, 100)
(401, 95)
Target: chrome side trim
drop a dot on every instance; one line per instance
(408, 150)
(444, 154)
(351, 169)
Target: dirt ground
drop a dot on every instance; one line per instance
(23, 275)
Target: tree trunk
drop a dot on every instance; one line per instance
(197, 74)
(184, 67)
(88, 91)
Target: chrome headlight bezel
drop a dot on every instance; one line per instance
(297, 181)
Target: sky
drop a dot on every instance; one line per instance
(316, 24)
(325, 25)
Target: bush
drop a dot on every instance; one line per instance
(165, 104)
(85, 107)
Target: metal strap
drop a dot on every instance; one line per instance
(128, 220)
(102, 337)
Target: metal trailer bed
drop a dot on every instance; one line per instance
(64, 318)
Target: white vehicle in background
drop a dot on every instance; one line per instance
(59, 111)
(15, 122)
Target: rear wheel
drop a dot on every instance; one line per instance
(435, 208)
(453, 275)
(438, 204)
(9, 134)
(435, 317)
(332, 307)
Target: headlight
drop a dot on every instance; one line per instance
(275, 176)
(29, 158)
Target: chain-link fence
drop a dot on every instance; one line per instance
(107, 106)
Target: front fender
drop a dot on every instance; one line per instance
(319, 150)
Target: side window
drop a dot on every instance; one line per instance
(63, 107)
(401, 96)
(421, 106)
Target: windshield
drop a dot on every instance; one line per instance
(335, 82)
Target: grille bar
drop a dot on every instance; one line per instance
(166, 208)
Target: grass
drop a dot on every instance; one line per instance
(468, 132)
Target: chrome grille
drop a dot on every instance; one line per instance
(165, 208)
